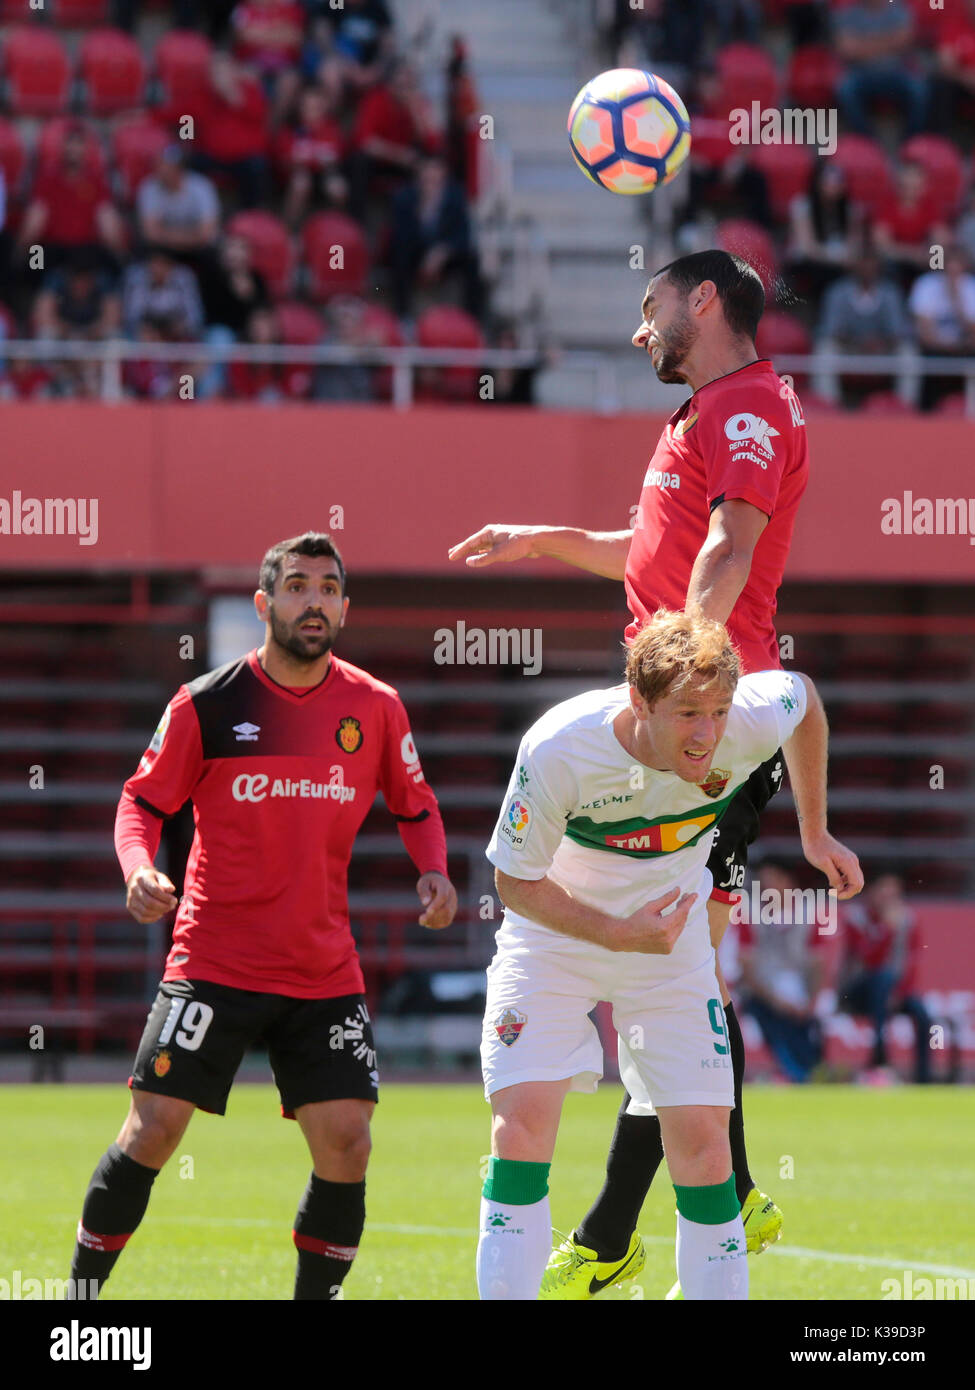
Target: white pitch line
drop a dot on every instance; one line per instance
(796, 1252)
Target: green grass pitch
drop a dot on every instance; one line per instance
(871, 1182)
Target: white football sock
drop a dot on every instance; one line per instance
(711, 1260)
(513, 1249)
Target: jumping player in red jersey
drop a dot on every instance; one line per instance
(712, 531)
(282, 753)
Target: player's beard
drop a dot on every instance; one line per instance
(675, 343)
(298, 644)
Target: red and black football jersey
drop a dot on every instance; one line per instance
(740, 436)
(280, 780)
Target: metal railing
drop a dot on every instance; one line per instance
(112, 353)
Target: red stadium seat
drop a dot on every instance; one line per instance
(13, 156)
(81, 14)
(271, 249)
(953, 405)
(38, 72)
(445, 326)
(382, 326)
(867, 172)
(814, 71)
(299, 325)
(780, 333)
(136, 146)
(325, 235)
(112, 68)
(182, 62)
(711, 143)
(944, 168)
(52, 138)
(750, 241)
(787, 169)
(747, 74)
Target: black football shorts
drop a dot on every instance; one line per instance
(197, 1033)
(739, 826)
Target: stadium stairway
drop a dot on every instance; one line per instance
(529, 58)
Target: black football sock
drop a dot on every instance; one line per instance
(635, 1154)
(744, 1181)
(115, 1203)
(327, 1231)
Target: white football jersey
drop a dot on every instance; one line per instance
(615, 833)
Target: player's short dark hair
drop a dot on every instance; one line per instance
(315, 544)
(739, 285)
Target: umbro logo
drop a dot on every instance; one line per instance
(247, 733)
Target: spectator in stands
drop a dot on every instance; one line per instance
(362, 35)
(25, 380)
(268, 381)
(878, 977)
(910, 224)
(165, 294)
(512, 385)
(71, 206)
(348, 327)
(179, 211)
(824, 229)
(146, 378)
(77, 301)
(393, 128)
(658, 35)
(943, 305)
(230, 295)
(5, 238)
(875, 38)
(720, 173)
(268, 36)
(864, 313)
(782, 972)
(965, 230)
(954, 77)
(232, 137)
(308, 155)
(432, 243)
(807, 21)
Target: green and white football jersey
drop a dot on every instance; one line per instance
(614, 833)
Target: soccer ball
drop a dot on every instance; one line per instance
(629, 131)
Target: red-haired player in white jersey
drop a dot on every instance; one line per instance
(712, 531)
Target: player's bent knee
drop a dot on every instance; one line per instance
(518, 1135)
(153, 1128)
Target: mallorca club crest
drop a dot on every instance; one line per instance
(162, 1063)
(509, 1026)
(348, 735)
(715, 782)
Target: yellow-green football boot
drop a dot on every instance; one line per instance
(575, 1272)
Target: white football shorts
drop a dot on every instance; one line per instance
(673, 1039)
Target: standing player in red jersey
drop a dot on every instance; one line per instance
(282, 753)
(712, 531)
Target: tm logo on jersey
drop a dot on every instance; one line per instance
(516, 822)
(745, 428)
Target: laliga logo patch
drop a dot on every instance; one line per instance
(160, 734)
(715, 782)
(348, 735)
(509, 1026)
(740, 428)
(516, 822)
(162, 1063)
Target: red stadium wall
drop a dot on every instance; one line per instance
(180, 485)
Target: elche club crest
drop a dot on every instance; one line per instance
(715, 782)
(348, 735)
(509, 1026)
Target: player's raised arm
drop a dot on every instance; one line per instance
(599, 552)
(806, 757)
